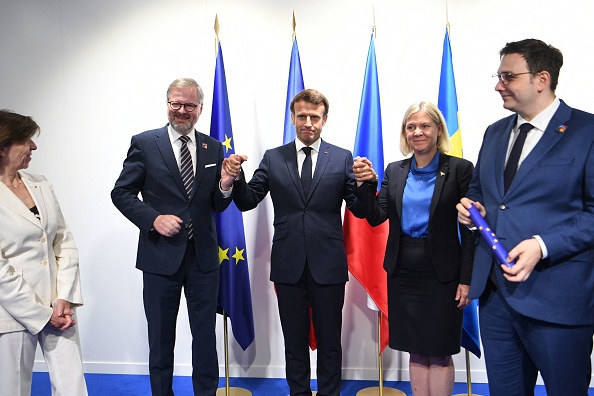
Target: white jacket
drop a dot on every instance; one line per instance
(39, 259)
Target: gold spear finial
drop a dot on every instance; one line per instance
(447, 18)
(374, 27)
(216, 29)
(294, 25)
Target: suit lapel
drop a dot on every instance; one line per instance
(549, 139)
(501, 152)
(442, 175)
(166, 149)
(36, 191)
(401, 183)
(201, 149)
(321, 164)
(12, 202)
(290, 154)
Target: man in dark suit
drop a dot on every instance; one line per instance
(177, 246)
(537, 315)
(308, 263)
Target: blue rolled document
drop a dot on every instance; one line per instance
(489, 235)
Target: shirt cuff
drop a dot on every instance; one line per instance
(543, 247)
(226, 193)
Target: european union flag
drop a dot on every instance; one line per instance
(235, 297)
(448, 104)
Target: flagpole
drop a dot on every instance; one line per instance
(448, 96)
(468, 379)
(227, 390)
(380, 390)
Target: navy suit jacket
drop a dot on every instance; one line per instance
(451, 259)
(151, 170)
(552, 195)
(304, 227)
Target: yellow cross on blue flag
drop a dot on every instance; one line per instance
(448, 104)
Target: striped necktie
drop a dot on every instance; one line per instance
(187, 174)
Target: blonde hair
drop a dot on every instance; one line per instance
(443, 140)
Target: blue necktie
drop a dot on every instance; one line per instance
(514, 156)
(187, 174)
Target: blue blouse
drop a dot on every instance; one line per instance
(416, 200)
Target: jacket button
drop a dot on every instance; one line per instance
(42, 240)
(43, 262)
(502, 207)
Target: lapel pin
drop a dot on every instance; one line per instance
(561, 128)
(204, 145)
(441, 173)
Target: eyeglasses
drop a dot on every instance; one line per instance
(190, 107)
(505, 78)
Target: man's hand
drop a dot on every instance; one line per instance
(167, 225)
(464, 216)
(363, 170)
(528, 253)
(231, 169)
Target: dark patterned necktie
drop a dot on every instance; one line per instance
(306, 171)
(514, 156)
(187, 174)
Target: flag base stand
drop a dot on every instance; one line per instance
(227, 390)
(376, 390)
(233, 392)
(380, 390)
(468, 379)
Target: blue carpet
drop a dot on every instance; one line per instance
(138, 385)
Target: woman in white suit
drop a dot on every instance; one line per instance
(39, 275)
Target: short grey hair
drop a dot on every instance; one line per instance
(185, 83)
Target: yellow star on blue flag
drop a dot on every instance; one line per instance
(235, 299)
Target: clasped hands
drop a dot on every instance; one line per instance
(528, 252)
(363, 170)
(231, 169)
(61, 318)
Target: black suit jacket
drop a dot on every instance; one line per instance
(304, 227)
(151, 170)
(451, 259)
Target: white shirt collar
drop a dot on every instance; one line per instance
(542, 120)
(315, 146)
(174, 135)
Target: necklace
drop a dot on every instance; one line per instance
(18, 183)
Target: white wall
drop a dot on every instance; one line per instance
(93, 73)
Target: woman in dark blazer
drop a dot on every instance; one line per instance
(428, 255)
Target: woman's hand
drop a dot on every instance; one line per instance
(61, 318)
(462, 296)
(363, 170)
